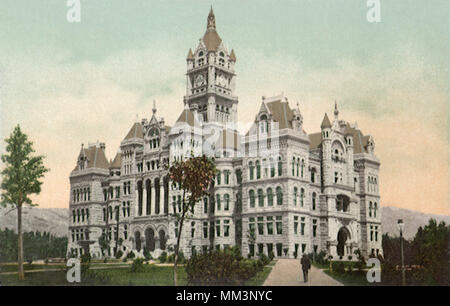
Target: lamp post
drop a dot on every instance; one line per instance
(401, 225)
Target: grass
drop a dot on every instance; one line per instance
(355, 278)
(151, 276)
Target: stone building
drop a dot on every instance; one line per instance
(279, 189)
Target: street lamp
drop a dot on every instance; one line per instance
(400, 226)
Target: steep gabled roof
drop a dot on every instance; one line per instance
(95, 156)
(212, 40)
(117, 162)
(281, 113)
(190, 56)
(232, 55)
(325, 122)
(135, 132)
(187, 116)
(315, 140)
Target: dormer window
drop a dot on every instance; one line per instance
(263, 124)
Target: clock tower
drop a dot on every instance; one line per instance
(211, 79)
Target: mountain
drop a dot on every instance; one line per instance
(412, 219)
(53, 220)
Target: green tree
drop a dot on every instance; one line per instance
(431, 251)
(20, 179)
(193, 178)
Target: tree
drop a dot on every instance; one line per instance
(193, 178)
(20, 179)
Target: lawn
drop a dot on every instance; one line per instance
(355, 278)
(152, 276)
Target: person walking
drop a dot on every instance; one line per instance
(306, 265)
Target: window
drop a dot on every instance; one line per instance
(251, 169)
(279, 196)
(205, 205)
(260, 225)
(218, 178)
(252, 198)
(302, 226)
(295, 225)
(314, 227)
(314, 201)
(298, 166)
(280, 166)
(279, 222)
(269, 197)
(258, 170)
(269, 225)
(260, 248)
(375, 210)
(226, 228)
(302, 197)
(302, 169)
(251, 226)
(251, 250)
(226, 177)
(218, 202)
(293, 166)
(192, 229)
(205, 229)
(295, 195)
(176, 229)
(260, 198)
(272, 168)
(279, 249)
(226, 198)
(336, 177)
(370, 209)
(217, 228)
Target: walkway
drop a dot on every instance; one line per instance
(287, 272)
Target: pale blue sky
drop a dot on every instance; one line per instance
(70, 83)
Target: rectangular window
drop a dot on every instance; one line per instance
(260, 248)
(226, 228)
(251, 225)
(217, 228)
(302, 226)
(314, 227)
(295, 225)
(260, 225)
(205, 205)
(205, 229)
(269, 225)
(279, 249)
(218, 202)
(251, 249)
(303, 248)
(192, 229)
(279, 222)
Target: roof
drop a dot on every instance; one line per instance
(190, 55)
(212, 40)
(95, 156)
(232, 55)
(281, 113)
(315, 140)
(117, 162)
(135, 132)
(325, 122)
(187, 116)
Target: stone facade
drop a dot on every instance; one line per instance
(279, 189)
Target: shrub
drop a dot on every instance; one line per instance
(361, 263)
(85, 262)
(147, 255)
(138, 265)
(321, 258)
(271, 256)
(338, 266)
(163, 257)
(264, 259)
(130, 255)
(221, 267)
(119, 254)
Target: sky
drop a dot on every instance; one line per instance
(72, 83)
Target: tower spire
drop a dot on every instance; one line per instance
(154, 107)
(211, 20)
(336, 112)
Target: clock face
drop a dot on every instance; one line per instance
(199, 80)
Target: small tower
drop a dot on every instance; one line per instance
(348, 135)
(326, 151)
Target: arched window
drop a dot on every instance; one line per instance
(260, 198)
(226, 198)
(218, 177)
(251, 169)
(370, 209)
(375, 210)
(279, 196)
(295, 195)
(314, 201)
(280, 166)
(298, 166)
(251, 194)
(137, 240)
(258, 170)
(205, 205)
(269, 197)
(303, 167)
(302, 197)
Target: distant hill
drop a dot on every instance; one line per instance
(56, 220)
(412, 219)
(53, 220)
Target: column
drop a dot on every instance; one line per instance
(161, 197)
(144, 199)
(136, 206)
(153, 197)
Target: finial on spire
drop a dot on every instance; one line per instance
(336, 112)
(154, 107)
(211, 20)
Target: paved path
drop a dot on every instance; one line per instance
(287, 272)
